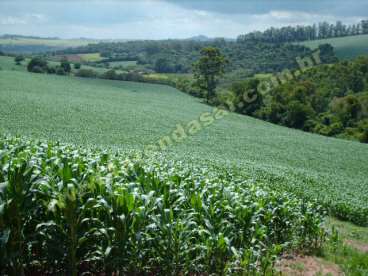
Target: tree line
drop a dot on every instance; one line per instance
(304, 33)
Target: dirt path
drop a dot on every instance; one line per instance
(307, 266)
(362, 247)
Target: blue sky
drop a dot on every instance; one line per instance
(160, 19)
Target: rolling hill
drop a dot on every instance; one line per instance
(129, 116)
(345, 47)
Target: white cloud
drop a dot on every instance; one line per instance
(143, 19)
(31, 18)
(12, 20)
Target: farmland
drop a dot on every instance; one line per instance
(127, 116)
(92, 57)
(183, 138)
(345, 47)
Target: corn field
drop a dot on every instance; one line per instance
(71, 211)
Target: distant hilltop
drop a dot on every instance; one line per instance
(14, 36)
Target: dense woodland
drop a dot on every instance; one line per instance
(177, 56)
(331, 100)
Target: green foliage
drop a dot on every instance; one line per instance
(177, 56)
(329, 100)
(245, 97)
(208, 69)
(342, 247)
(77, 66)
(74, 211)
(37, 65)
(86, 73)
(65, 65)
(163, 65)
(18, 59)
(59, 71)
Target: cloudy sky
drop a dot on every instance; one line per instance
(160, 19)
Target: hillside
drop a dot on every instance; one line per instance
(128, 116)
(345, 47)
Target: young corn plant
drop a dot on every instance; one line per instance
(17, 177)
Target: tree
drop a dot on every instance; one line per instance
(327, 53)
(364, 25)
(18, 59)
(347, 109)
(37, 65)
(65, 65)
(364, 137)
(208, 69)
(59, 70)
(247, 97)
(77, 66)
(162, 65)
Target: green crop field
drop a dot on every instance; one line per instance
(345, 47)
(130, 116)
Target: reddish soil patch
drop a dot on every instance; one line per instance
(307, 266)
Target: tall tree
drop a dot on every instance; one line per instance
(364, 25)
(65, 65)
(18, 59)
(208, 69)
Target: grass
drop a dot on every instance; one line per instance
(345, 47)
(91, 57)
(127, 115)
(340, 248)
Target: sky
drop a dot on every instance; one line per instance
(162, 19)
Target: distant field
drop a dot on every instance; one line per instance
(93, 57)
(345, 47)
(123, 63)
(90, 57)
(48, 42)
(167, 76)
(125, 115)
